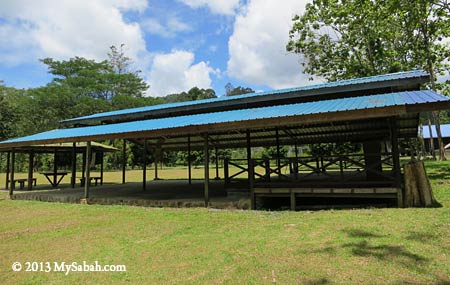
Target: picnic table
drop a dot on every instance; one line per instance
(54, 177)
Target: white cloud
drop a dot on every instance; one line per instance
(223, 7)
(257, 46)
(169, 29)
(176, 72)
(63, 29)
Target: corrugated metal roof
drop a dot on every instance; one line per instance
(356, 81)
(445, 131)
(299, 109)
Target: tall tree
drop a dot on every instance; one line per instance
(344, 39)
(230, 90)
(100, 80)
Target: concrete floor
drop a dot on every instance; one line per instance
(160, 193)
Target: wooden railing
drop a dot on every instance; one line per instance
(336, 167)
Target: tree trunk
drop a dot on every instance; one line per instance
(418, 191)
(437, 123)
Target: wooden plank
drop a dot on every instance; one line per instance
(293, 201)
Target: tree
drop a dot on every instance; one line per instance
(346, 39)
(99, 80)
(193, 94)
(230, 90)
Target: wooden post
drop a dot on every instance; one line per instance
(249, 152)
(74, 165)
(251, 184)
(293, 201)
(189, 160)
(83, 169)
(12, 184)
(396, 159)
(156, 164)
(8, 160)
(55, 167)
(217, 164)
(277, 137)
(267, 169)
(124, 161)
(144, 167)
(226, 171)
(30, 170)
(87, 180)
(206, 185)
(102, 165)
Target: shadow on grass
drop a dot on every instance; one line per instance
(320, 281)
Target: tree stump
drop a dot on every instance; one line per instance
(418, 192)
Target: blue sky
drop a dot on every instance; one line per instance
(177, 44)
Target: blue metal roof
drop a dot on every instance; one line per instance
(363, 80)
(445, 131)
(299, 109)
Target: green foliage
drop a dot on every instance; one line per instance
(347, 39)
(230, 90)
(193, 94)
(329, 149)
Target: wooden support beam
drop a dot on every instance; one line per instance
(277, 138)
(251, 184)
(83, 167)
(74, 166)
(396, 159)
(8, 160)
(189, 160)
(13, 162)
(216, 152)
(55, 167)
(249, 151)
(30, 170)
(144, 167)
(293, 201)
(156, 164)
(102, 164)
(226, 173)
(206, 165)
(124, 161)
(87, 181)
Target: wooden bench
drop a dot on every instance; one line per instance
(95, 178)
(22, 182)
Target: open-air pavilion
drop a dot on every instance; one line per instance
(375, 112)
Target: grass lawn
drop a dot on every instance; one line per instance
(368, 246)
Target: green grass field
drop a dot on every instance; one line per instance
(170, 246)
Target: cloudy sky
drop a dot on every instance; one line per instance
(177, 44)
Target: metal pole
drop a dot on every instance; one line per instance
(30, 170)
(74, 165)
(124, 160)
(88, 170)
(8, 160)
(12, 184)
(144, 167)
(189, 160)
(206, 155)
